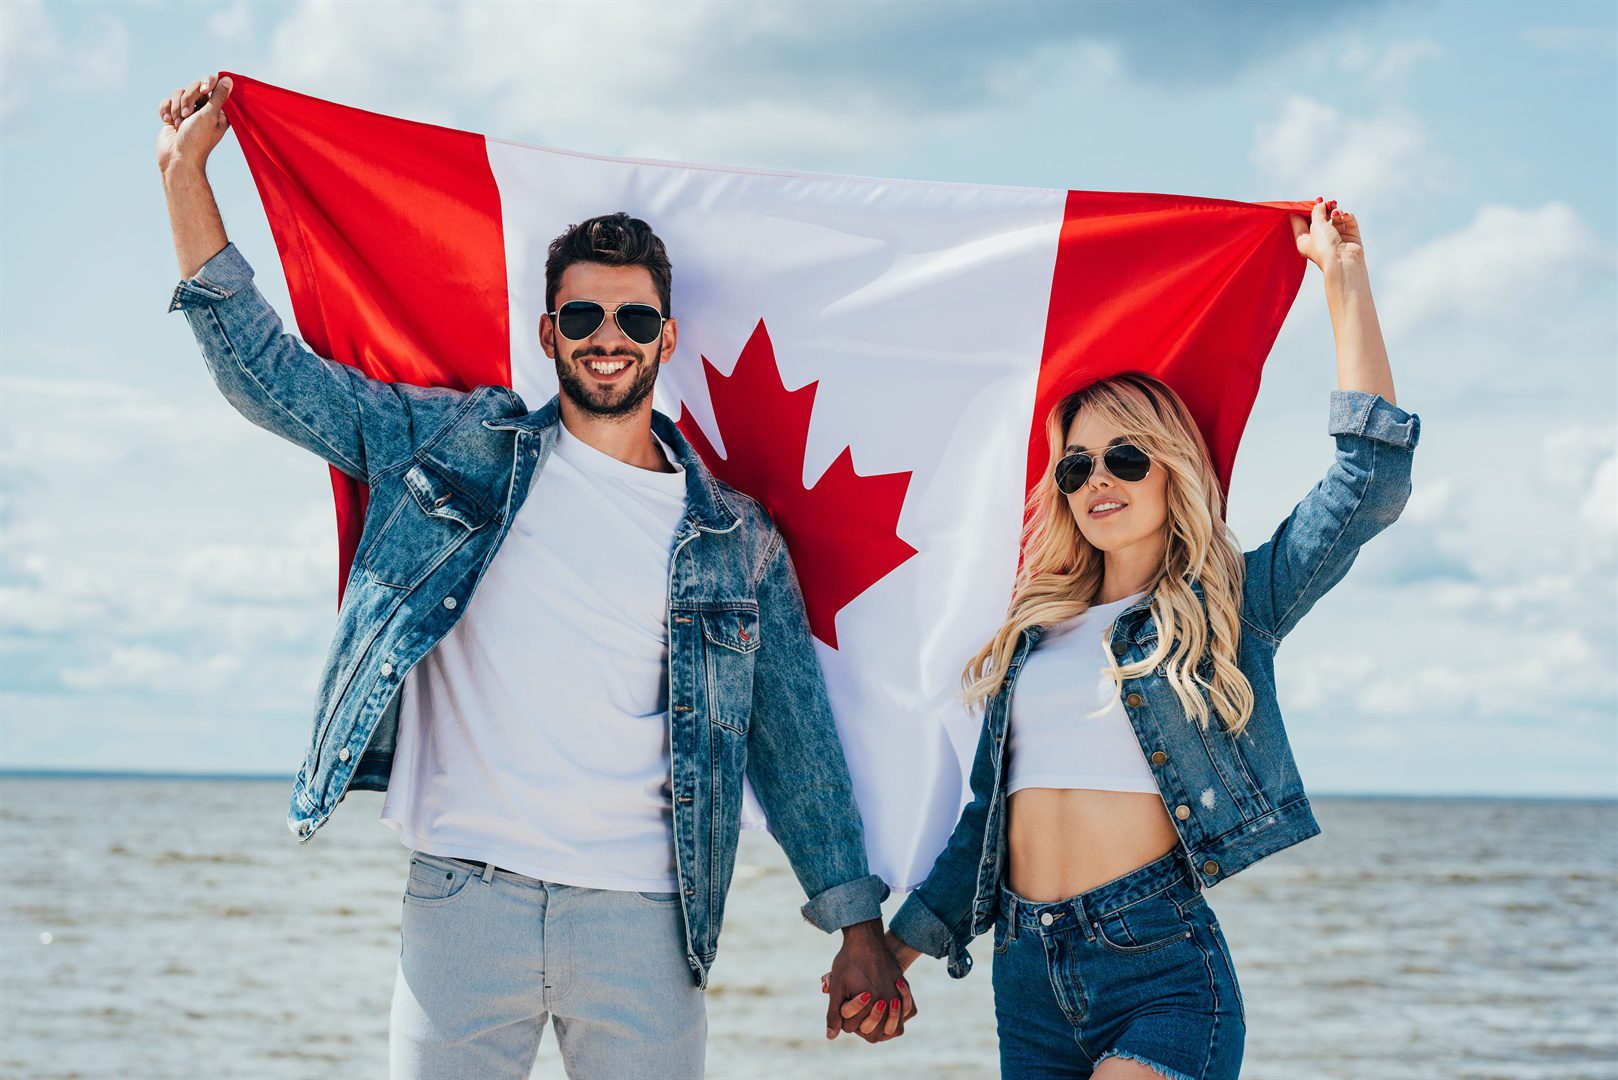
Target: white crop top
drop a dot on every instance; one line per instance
(1068, 728)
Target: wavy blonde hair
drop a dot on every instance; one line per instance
(1061, 572)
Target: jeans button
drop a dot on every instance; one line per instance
(1182, 812)
(1046, 919)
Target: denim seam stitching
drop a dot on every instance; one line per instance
(454, 418)
(1359, 500)
(1138, 900)
(235, 356)
(1259, 630)
(764, 562)
(1301, 801)
(1213, 992)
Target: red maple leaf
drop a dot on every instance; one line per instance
(841, 533)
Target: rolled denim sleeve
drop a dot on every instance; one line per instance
(919, 927)
(938, 917)
(796, 763)
(276, 381)
(1363, 492)
(220, 278)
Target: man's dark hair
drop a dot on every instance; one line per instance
(611, 239)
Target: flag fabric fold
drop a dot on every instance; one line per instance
(870, 359)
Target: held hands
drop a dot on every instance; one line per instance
(874, 1008)
(192, 127)
(1330, 238)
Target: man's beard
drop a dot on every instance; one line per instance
(580, 387)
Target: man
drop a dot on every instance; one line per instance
(561, 646)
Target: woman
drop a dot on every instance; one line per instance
(1132, 751)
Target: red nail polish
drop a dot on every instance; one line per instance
(901, 984)
(881, 1005)
(865, 997)
(894, 1004)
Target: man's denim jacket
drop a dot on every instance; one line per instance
(448, 472)
(1232, 800)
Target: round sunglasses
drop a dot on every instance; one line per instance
(1126, 461)
(578, 319)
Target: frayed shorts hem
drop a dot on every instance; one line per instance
(1164, 1071)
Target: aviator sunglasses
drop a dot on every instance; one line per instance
(1126, 461)
(578, 319)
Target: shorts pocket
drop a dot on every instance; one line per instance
(1142, 927)
(435, 881)
(659, 899)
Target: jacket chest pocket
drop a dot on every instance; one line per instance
(730, 641)
(430, 521)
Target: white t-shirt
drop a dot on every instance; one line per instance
(535, 735)
(1068, 728)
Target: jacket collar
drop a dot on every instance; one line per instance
(706, 504)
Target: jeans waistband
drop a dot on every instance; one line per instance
(1168, 874)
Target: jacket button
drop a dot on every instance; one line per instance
(387, 669)
(343, 754)
(1119, 648)
(1133, 700)
(1210, 868)
(449, 602)
(305, 828)
(1182, 812)
(1158, 757)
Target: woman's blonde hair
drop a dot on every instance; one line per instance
(1061, 572)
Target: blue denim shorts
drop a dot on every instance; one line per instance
(1136, 968)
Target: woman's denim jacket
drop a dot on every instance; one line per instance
(448, 472)
(1232, 800)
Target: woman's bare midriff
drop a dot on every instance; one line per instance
(1064, 841)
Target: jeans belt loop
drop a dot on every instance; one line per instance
(488, 872)
(1189, 866)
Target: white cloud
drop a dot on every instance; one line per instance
(232, 24)
(1573, 40)
(695, 81)
(38, 66)
(1497, 267)
(142, 548)
(144, 667)
(1523, 627)
(1390, 62)
(1357, 160)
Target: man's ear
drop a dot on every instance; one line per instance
(671, 336)
(547, 336)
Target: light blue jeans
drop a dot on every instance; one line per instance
(488, 957)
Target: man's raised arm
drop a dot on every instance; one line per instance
(267, 375)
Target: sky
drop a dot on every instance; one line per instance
(168, 571)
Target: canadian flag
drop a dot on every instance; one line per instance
(870, 359)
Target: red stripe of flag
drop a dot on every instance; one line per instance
(339, 186)
(1191, 290)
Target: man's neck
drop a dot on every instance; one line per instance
(627, 438)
